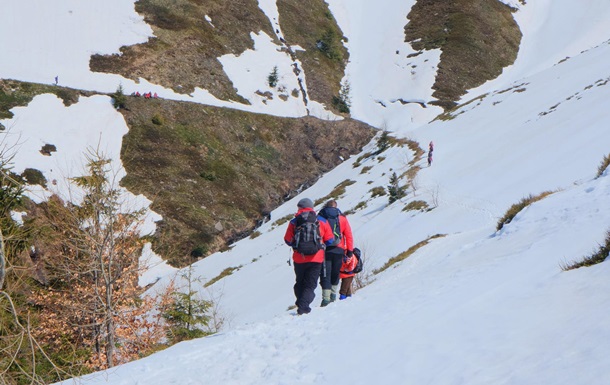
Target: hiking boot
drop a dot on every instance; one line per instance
(333, 293)
(325, 297)
(302, 311)
(342, 297)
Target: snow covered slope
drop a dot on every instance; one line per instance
(475, 306)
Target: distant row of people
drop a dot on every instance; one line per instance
(147, 95)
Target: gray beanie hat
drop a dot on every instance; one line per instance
(305, 203)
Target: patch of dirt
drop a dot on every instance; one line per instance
(305, 23)
(183, 55)
(14, 93)
(478, 38)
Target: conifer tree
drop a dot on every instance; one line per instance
(273, 77)
(187, 314)
(383, 143)
(343, 102)
(119, 100)
(395, 192)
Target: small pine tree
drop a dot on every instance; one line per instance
(328, 44)
(383, 143)
(343, 102)
(187, 314)
(395, 192)
(273, 77)
(119, 100)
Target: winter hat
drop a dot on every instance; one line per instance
(305, 203)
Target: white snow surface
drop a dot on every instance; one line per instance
(476, 306)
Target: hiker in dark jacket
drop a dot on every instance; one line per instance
(342, 245)
(306, 267)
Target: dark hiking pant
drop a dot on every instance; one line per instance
(330, 276)
(346, 286)
(306, 282)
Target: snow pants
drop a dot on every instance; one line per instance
(306, 282)
(330, 276)
(346, 286)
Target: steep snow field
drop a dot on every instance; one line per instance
(477, 306)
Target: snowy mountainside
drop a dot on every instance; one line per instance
(475, 306)
(493, 153)
(487, 307)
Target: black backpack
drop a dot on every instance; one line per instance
(360, 263)
(331, 214)
(307, 238)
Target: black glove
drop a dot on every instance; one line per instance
(349, 253)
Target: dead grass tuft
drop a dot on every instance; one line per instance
(405, 254)
(598, 256)
(517, 207)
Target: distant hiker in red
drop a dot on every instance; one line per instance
(342, 245)
(431, 146)
(155, 95)
(307, 237)
(348, 271)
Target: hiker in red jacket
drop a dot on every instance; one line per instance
(347, 274)
(342, 245)
(308, 252)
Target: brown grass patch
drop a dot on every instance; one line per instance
(405, 254)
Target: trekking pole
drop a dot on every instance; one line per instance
(289, 255)
(324, 268)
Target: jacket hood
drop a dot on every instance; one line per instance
(330, 212)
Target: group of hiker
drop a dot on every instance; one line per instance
(430, 150)
(147, 95)
(323, 250)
